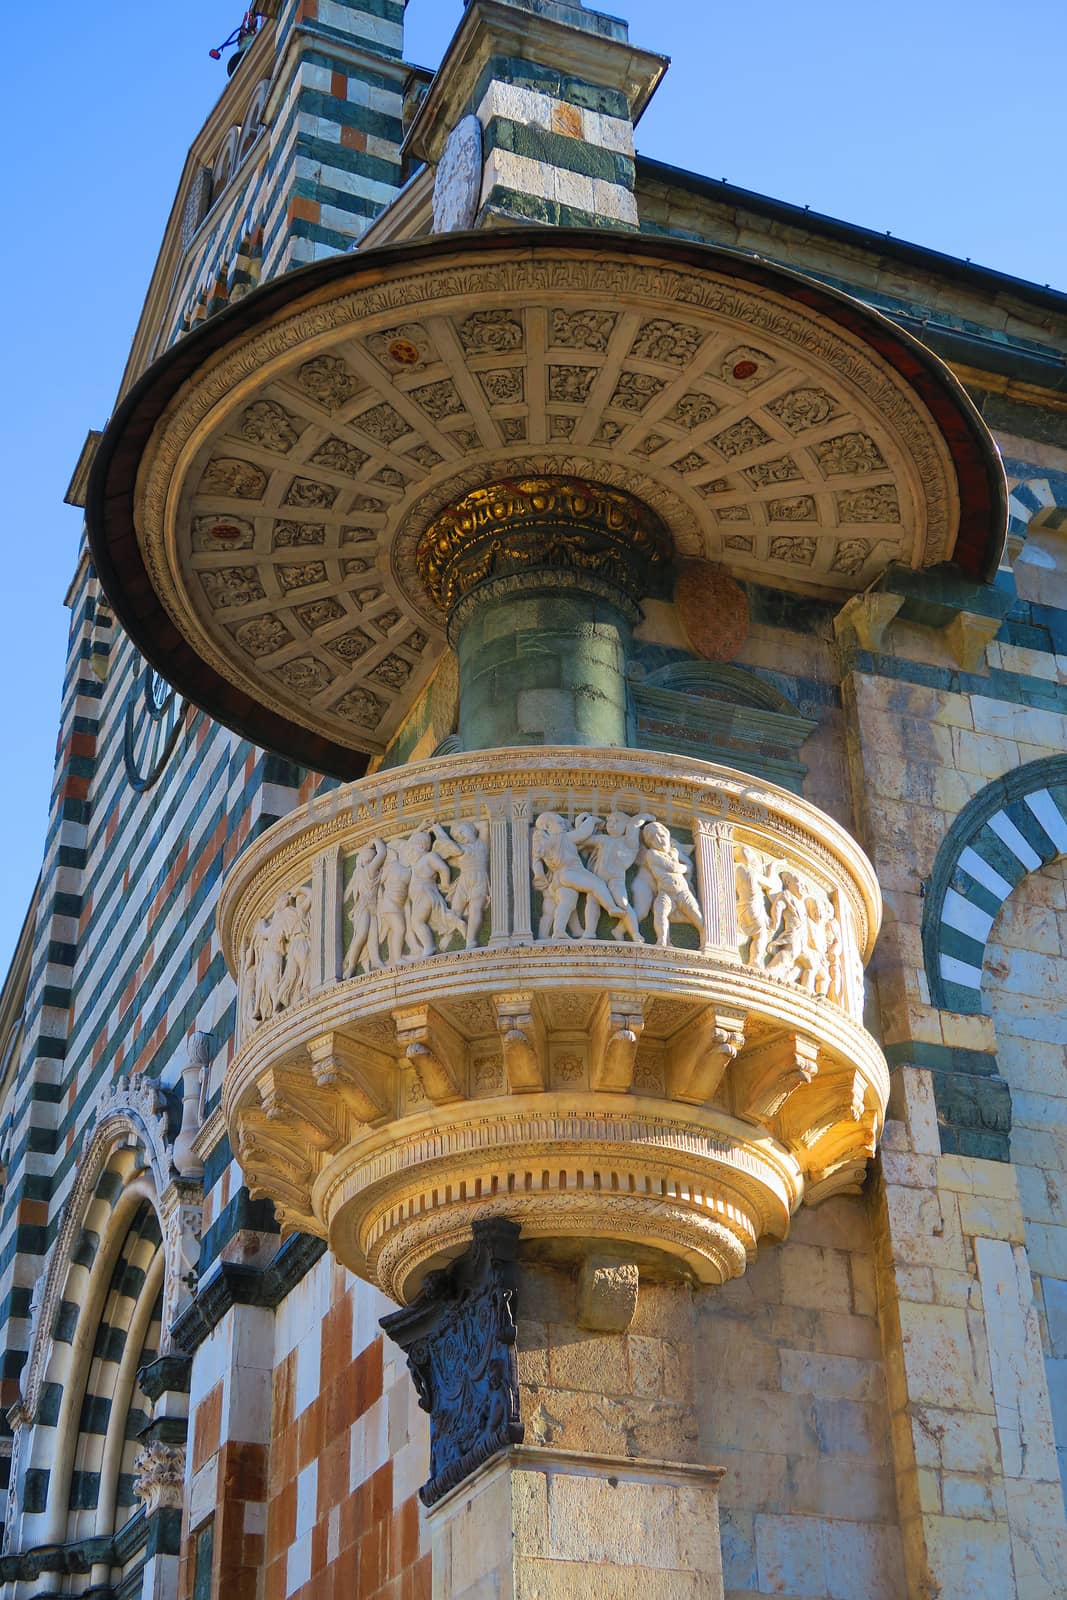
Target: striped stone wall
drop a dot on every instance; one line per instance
(1013, 827)
(557, 149)
(126, 964)
(315, 153)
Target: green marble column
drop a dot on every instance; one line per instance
(540, 580)
(543, 665)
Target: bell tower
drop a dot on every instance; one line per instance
(300, 153)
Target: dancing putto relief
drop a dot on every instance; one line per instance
(790, 926)
(277, 965)
(624, 876)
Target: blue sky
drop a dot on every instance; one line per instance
(938, 120)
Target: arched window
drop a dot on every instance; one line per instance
(253, 122)
(222, 169)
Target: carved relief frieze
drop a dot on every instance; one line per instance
(276, 969)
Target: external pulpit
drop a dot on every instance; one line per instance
(611, 996)
(544, 1033)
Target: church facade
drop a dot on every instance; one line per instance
(537, 1065)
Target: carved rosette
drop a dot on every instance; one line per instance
(608, 995)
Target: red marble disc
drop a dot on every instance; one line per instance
(712, 609)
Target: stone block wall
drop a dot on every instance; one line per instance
(1024, 986)
(977, 1474)
(791, 1384)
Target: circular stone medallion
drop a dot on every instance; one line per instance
(712, 609)
(458, 183)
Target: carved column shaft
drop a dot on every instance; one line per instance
(499, 905)
(714, 839)
(326, 941)
(520, 869)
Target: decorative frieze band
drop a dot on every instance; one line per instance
(516, 873)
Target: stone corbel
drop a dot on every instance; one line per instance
(967, 636)
(268, 1147)
(833, 1135)
(359, 1074)
(607, 1294)
(289, 1098)
(160, 1477)
(436, 1050)
(765, 1078)
(700, 1053)
(617, 1024)
(865, 618)
(522, 1035)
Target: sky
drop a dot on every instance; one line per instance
(937, 120)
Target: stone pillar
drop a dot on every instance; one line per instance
(978, 1483)
(540, 665)
(531, 117)
(540, 580)
(541, 1521)
(562, 1424)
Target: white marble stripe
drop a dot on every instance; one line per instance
(961, 972)
(1050, 817)
(983, 873)
(966, 917)
(1006, 831)
(533, 109)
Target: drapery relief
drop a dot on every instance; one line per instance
(277, 963)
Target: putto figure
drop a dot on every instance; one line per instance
(362, 894)
(791, 925)
(754, 883)
(393, 903)
(612, 853)
(429, 915)
(278, 963)
(563, 878)
(469, 895)
(662, 884)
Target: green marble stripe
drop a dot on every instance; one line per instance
(556, 85)
(558, 150)
(999, 856)
(973, 891)
(510, 202)
(1019, 812)
(1015, 688)
(961, 946)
